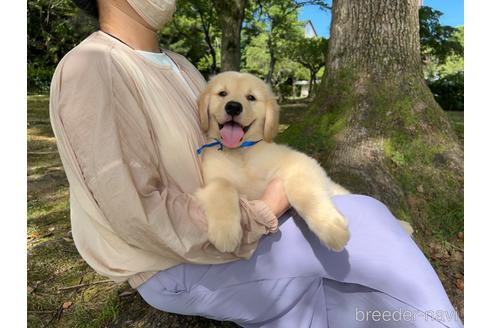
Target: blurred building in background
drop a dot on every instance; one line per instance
(309, 32)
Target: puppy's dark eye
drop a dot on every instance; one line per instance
(250, 97)
(222, 93)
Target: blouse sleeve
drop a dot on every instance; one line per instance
(115, 150)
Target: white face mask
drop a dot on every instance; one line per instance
(155, 12)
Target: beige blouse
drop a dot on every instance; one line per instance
(127, 131)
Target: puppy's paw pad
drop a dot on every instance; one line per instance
(226, 238)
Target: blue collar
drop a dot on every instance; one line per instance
(245, 144)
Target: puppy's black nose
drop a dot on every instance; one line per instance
(233, 108)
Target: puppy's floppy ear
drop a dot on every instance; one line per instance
(203, 103)
(271, 118)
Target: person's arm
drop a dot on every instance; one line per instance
(115, 149)
(275, 198)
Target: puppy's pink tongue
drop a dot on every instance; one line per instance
(231, 134)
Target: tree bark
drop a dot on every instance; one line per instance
(231, 15)
(374, 124)
(208, 40)
(312, 79)
(273, 60)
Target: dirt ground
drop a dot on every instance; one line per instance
(62, 291)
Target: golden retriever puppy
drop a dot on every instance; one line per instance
(237, 109)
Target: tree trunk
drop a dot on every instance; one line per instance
(271, 66)
(208, 40)
(374, 124)
(312, 79)
(231, 15)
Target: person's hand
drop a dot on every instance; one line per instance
(275, 197)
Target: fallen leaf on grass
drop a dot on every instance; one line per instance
(457, 256)
(29, 289)
(127, 293)
(66, 305)
(438, 251)
(33, 235)
(460, 284)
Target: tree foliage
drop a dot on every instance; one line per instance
(435, 39)
(311, 53)
(278, 19)
(442, 53)
(257, 61)
(449, 91)
(194, 32)
(53, 28)
(447, 80)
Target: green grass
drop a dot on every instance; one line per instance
(53, 260)
(458, 121)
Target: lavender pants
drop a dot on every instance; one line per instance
(381, 279)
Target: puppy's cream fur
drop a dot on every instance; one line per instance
(247, 171)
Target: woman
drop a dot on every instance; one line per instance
(125, 118)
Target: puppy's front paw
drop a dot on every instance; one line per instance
(334, 232)
(225, 235)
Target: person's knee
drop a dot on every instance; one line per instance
(365, 208)
(374, 205)
(377, 207)
(365, 203)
